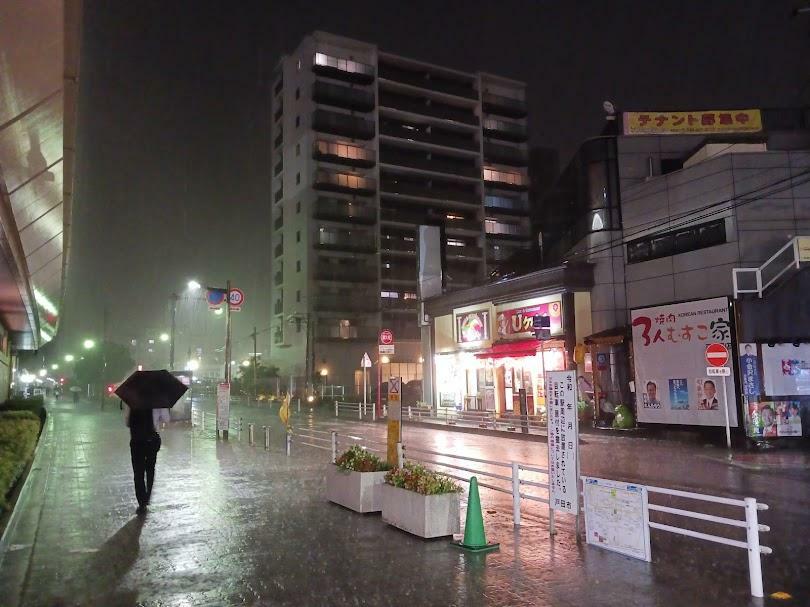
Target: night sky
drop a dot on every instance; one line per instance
(173, 174)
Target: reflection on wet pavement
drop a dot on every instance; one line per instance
(234, 524)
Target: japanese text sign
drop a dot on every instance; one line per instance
(563, 441)
(516, 323)
(669, 353)
(698, 122)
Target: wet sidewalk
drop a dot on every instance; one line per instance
(232, 524)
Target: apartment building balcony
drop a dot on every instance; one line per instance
(278, 278)
(466, 251)
(403, 331)
(430, 189)
(279, 222)
(345, 125)
(508, 231)
(506, 179)
(278, 308)
(503, 106)
(354, 272)
(278, 251)
(398, 273)
(451, 221)
(343, 153)
(416, 159)
(355, 302)
(390, 304)
(342, 69)
(390, 243)
(345, 211)
(338, 332)
(461, 278)
(347, 183)
(505, 154)
(278, 195)
(427, 79)
(501, 251)
(506, 131)
(349, 241)
(427, 107)
(428, 134)
(346, 97)
(505, 205)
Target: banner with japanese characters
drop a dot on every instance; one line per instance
(563, 441)
(669, 350)
(698, 122)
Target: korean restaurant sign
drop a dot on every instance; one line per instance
(563, 441)
(516, 322)
(669, 347)
(472, 326)
(697, 122)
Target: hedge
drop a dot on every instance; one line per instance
(18, 438)
(35, 405)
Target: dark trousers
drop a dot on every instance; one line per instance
(144, 455)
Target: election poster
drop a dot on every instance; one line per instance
(669, 350)
(787, 369)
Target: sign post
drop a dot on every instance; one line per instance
(385, 347)
(365, 364)
(394, 418)
(563, 444)
(717, 359)
(223, 407)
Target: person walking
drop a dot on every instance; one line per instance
(144, 445)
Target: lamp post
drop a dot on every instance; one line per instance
(296, 318)
(324, 378)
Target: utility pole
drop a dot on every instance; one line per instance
(255, 335)
(104, 358)
(227, 345)
(173, 299)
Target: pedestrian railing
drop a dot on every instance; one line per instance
(357, 410)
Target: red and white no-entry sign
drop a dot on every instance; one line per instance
(386, 337)
(716, 355)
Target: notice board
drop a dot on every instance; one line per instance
(616, 517)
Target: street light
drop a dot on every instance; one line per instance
(192, 365)
(54, 367)
(69, 358)
(43, 372)
(385, 360)
(193, 285)
(245, 363)
(89, 344)
(164, 337)
(219, 311)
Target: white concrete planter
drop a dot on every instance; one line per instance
(423, 515)
(358, 491)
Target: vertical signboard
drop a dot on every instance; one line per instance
(223, 405)
(669, 348)
(617, 517)
(563, 441)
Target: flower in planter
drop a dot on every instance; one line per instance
(415, 477)
(357, 459)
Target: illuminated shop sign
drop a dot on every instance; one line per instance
(516, 323)
(472, 327)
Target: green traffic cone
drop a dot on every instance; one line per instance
(475, 538)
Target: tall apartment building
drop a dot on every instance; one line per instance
(366, 147)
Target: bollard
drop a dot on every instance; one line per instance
(552, 528)
(400, 455)
(336, 408)
(250, 434)
(516, 494)
(202, 424)
(359, 411)
(239, 430)
(374, 414)
(266, 438)
(409, 412)
(754, 556)
(289, 441)
(334, 446)
(299, 404)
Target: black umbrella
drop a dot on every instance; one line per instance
(151, 390)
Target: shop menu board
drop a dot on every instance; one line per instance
(617, 517)
(787, 369)
(669, 346)
(563, 438)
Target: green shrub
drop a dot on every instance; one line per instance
(33, 404)
(357, 459)
(414, 477)
(18, 438)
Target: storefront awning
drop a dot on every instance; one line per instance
(609, 337)
(518, 349)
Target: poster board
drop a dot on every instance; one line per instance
(563, 441)
(617, 517)
(669, 347)
(786, 368)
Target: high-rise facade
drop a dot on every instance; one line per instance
(367, 146)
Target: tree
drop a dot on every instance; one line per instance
(90, 368)
(265, 376)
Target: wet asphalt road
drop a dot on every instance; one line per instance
(233, 524)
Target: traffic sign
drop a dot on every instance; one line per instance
(236, 298)
(718, 371)
(386, 349)
(215, 298)
(716, 355)
(365, 362)
(394, 389)
(386, 337)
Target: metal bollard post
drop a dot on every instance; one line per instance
(239, 429)
(516, 494)
(754, 556)
(400, 455)
(336, 408)
(299, 404)
(409, 412)
(250, 434)
(359, 411)
(289, 441)
(334, 446)
(374, 414)
(552, 528)
(202, 424)
(266, 438)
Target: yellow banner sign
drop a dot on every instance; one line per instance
(686, 123)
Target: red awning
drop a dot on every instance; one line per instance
(518, 349)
